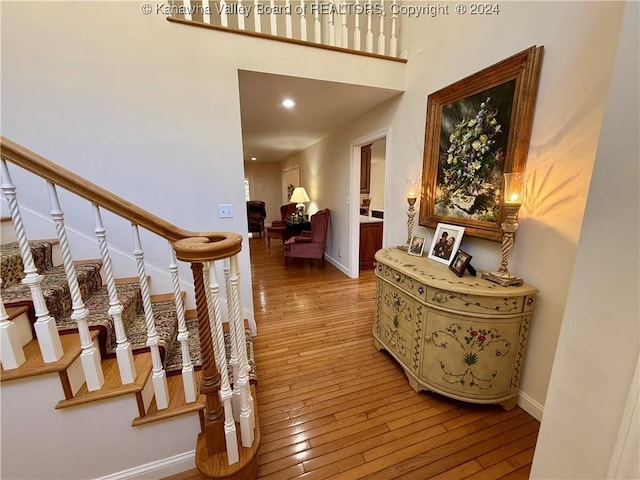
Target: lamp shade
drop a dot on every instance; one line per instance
(299, 195)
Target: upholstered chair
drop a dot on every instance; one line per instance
(310, 244)
(256, 213)
(278, 229)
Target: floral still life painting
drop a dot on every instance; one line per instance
(472, 152)
(477, 129)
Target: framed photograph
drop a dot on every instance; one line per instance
(416, 246)
(460, 262)
(477, 129)
(445, 243)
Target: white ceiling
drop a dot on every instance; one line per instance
(272, 132)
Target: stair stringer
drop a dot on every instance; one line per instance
(88, 441)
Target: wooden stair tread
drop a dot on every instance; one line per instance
(112, 386)
(15, 312)
(216, 466)
(34, 365)
(177, 404)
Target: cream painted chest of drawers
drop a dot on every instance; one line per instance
(461, 337)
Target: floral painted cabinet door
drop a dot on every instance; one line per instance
(470, 358)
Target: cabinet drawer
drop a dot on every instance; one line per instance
(463, 302)
(402, 281)
(396, 340)
(472, 358)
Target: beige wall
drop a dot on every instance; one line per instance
(267, 186)
(598, 345)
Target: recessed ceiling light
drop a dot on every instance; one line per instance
(288, 103)
(253, 158)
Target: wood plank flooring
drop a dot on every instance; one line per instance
(332, 406)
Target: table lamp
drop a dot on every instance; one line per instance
(299, 196)
(513, 194)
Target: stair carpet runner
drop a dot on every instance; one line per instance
(96, 299)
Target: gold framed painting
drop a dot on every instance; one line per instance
(478, 129)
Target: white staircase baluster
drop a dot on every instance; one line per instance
(224, 21)
(356, 28)
(274, 18)
(247, 418)
(90, 356)
(288, 20)
(369, 35)
(240, 10)
(257, 24)
(381, 36)
(317, 26)
(226, 394)
(11, 355)
(303, 21)
(345, 30)
(188, 373)
(45, 326)
(124, 351)
(159, 376)
(332, 23)
(233, 359)
(393, 41)
(219, 356)
(186, 4)
(206, 12)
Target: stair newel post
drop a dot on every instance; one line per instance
(210, 383)
(233, 359)
(45, 326)
(12, 355)
(188, 373)
(90, 357)
(247, 418)
(226, 393)
(124, 351)
(158, 376)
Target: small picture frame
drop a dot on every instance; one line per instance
(446, 242)
(460, 262)
(416, 246)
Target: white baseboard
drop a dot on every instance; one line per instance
(530, 406)
(337, 264)
(159, 469)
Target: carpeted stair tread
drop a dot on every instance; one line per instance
(11, 266)
(166, 324)
(99, 318)
(56, 289)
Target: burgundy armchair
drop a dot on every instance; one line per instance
(310, 244)
(278, 229)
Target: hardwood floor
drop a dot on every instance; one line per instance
(332, 406)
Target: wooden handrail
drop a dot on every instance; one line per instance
(189, 246)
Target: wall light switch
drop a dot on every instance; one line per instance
(225, 210)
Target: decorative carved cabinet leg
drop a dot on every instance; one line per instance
(210, 384)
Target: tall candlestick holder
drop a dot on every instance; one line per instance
(513, 186)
